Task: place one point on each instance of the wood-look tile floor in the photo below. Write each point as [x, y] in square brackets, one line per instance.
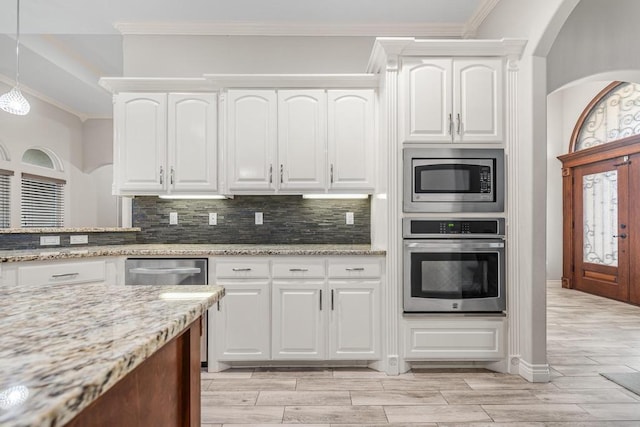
[586, 336]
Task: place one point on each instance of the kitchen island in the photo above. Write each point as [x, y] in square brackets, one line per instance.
[68, 351]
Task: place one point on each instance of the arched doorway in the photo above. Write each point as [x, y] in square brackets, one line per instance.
[601, 175]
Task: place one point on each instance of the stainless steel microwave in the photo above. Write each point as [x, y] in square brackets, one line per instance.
[453, 180]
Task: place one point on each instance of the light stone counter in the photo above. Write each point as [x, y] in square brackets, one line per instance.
[185, 250]
[63, 346]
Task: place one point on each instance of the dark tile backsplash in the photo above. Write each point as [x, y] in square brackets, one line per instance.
[287, 220]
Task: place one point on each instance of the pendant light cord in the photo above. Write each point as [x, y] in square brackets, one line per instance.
[18, 46]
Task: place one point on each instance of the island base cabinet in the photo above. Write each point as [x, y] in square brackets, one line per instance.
[354, 331]
[242, 322]
[163, 391]
[454, 339]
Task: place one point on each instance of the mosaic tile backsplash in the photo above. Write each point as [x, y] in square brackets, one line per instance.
[286, 220]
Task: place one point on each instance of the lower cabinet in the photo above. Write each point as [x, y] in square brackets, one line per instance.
[311, 308]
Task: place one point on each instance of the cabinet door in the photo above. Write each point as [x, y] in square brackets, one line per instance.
[351, 139]
[426, 109]
[251, 139]
[355, 320]
[242, 321]
[478, 100]
[298, 331]
[302, 139]
[140, 149]
[193, 143]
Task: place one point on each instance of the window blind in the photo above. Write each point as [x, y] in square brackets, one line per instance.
[42, 201]
[5, 198]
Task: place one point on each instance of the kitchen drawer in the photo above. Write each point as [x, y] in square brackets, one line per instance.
[240, 269]
[298, 268]
[354, 268]
[66, 272]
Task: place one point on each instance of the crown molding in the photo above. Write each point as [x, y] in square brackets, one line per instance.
[472, 25]
[239, 28]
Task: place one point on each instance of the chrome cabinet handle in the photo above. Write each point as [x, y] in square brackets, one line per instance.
[270, 174]
[354, 268]
[298, 269]
[241, 269]
[161, 175]
[171, 175]
[459, 122]
[218, 305]
[622, 235]
[331, 173]
[62, 275]
[281, 173]
[331, 299]
[320, 299]
[450, 124]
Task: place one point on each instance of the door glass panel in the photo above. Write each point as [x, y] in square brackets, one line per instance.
[600, 199]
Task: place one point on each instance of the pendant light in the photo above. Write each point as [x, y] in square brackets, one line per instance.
[13, 102]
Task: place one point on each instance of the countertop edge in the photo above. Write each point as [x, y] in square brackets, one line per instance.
[62, 230]
[76, 402]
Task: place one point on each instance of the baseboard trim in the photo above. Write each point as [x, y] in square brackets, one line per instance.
[539, 373]
[554, 283]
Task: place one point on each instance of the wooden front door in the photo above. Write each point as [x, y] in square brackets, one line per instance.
[602, 199]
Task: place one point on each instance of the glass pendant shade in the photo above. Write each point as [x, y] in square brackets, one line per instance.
[13, 101]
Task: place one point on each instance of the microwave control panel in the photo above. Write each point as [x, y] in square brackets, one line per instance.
[485, 179]
[437, 227]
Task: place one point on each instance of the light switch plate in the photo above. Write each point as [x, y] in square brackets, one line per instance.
[213, 218]
[173, 218]
[349, 218]
[49, 240]
[259, 218]
[79, 239]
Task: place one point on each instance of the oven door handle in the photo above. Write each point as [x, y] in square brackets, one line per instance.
[175, 270]
[443, 246]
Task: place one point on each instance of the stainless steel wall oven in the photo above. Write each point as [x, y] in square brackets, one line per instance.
[454, 265]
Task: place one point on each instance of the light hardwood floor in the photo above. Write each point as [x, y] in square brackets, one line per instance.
[587, 335]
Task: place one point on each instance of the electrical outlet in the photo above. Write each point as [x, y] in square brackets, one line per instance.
[213, 218]
[49, 240]
[173, 218]
[259, 218]
[78, 239]
[349, 218]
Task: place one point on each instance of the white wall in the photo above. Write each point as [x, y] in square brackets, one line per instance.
[192, 56]
[49, 127]
[97, 138]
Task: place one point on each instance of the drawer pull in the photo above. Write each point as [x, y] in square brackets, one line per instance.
[354, 268]
[64, 275]
[298, 269]
[242, 269]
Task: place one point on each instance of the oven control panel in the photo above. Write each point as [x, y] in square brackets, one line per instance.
[438, 228]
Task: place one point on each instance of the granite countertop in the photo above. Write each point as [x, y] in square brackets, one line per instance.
[62, 346]
[185, 250]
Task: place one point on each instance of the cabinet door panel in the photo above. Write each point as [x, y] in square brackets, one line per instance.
[251, 139]
[478, 99]
[140, 143]
[351, 139]
[302, 139]
[427, 102]
[355, 320]
[192, 142]
[242, 323]
[298, 327]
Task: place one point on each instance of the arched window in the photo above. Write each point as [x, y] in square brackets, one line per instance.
[42, 190]
[613, 114]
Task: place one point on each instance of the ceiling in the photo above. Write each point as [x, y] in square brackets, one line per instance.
[67, 45]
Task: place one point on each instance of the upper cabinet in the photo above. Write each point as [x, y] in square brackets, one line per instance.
[165, 143]
[294, 141]
[452, 100]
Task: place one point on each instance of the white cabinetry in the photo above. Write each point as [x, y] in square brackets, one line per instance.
[292, 141]
[242, 317]
[452, 100]
[69, 271]
[351, 139]
[165, 143]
